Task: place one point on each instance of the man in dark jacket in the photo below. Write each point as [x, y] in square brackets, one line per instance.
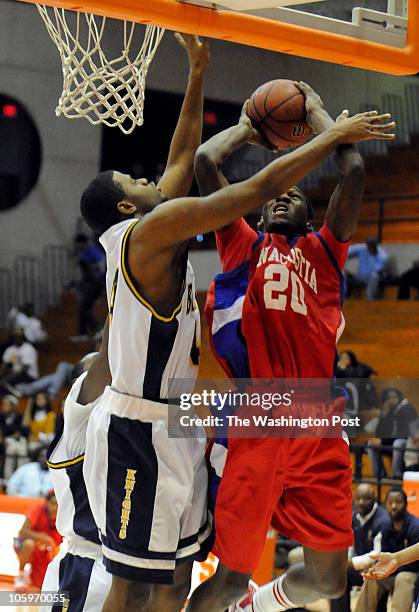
[401, 532]
[368, 521]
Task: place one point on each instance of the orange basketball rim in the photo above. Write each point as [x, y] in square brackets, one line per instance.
[263, 33]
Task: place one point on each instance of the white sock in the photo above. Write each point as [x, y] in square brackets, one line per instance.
[271, 598]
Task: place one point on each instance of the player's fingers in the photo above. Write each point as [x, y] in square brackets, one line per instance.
[343, 115]
[179, 37]
[380, 118]
[381, 136]
[370, 113]
[303, 87]
[383, 127]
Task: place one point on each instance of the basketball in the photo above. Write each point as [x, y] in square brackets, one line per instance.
[277, 110]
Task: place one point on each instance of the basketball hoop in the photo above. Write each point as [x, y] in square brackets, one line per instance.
[108, 91]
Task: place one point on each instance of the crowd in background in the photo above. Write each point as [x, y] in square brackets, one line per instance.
[30, 415]
[376, 270]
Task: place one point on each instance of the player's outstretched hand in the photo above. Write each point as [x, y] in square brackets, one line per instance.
[364, 126]
[197, 50]
[255, 137]
[385, 566]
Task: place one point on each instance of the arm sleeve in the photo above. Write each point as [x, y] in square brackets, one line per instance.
[234, 244]
[339, 249]
[362, 561]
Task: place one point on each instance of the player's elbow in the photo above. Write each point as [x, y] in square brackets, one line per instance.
[355, 170]
[205, 159]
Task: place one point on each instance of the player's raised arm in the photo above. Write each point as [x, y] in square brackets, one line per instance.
[177, 178]
[177, 221]
[212, 154]
[345, 203]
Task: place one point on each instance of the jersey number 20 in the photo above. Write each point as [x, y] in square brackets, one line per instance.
[277, 277]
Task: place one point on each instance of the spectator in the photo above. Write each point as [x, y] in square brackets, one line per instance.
[31, 479]
[51, 384]
[24, 317]
[14, 436]
[368, 521]
[91, 260]
[411, 456]
[392, 429]
[409, 280]
[37, 541]
[372, 268]
[403, 531]
[40, 420]
[20, 361]
[356, 374]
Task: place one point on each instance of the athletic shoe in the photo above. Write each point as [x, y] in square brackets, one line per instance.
[245, 603]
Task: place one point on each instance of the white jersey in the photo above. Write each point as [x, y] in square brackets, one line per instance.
[147, 350]
[65, 460]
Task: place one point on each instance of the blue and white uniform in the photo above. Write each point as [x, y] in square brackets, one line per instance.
[147, 491]
[78, 569]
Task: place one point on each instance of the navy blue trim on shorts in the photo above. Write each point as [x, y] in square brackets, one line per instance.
[139, 574]
[130, 447]
[74, 579]
[83, 522]
[184, 542]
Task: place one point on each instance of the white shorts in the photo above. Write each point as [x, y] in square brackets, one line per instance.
[79, 574]
[147, 491]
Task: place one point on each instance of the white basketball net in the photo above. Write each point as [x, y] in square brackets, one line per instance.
[109, 91]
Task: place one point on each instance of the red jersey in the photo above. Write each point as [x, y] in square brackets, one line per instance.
[41, 522]
[292, 309]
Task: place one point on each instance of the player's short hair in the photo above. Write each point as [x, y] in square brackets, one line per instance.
[396, 490]
[99, 202]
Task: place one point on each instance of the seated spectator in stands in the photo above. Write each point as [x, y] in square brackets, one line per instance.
[24, 317]
[92, 263]
[31, 479]
[19, 361]
[372, 268]
[409, 280]
[14, 436]
[37, 542]
[403, 531]
[411, 456]
[39, 418]
[368, 521]
[392, 429]
[361, 391]
[51, 384]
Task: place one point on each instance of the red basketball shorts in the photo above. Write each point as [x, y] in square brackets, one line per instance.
[302, 487]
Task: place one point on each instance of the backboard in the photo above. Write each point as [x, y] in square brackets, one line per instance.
[385, 40]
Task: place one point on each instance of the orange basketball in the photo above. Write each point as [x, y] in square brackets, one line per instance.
[277, 110]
